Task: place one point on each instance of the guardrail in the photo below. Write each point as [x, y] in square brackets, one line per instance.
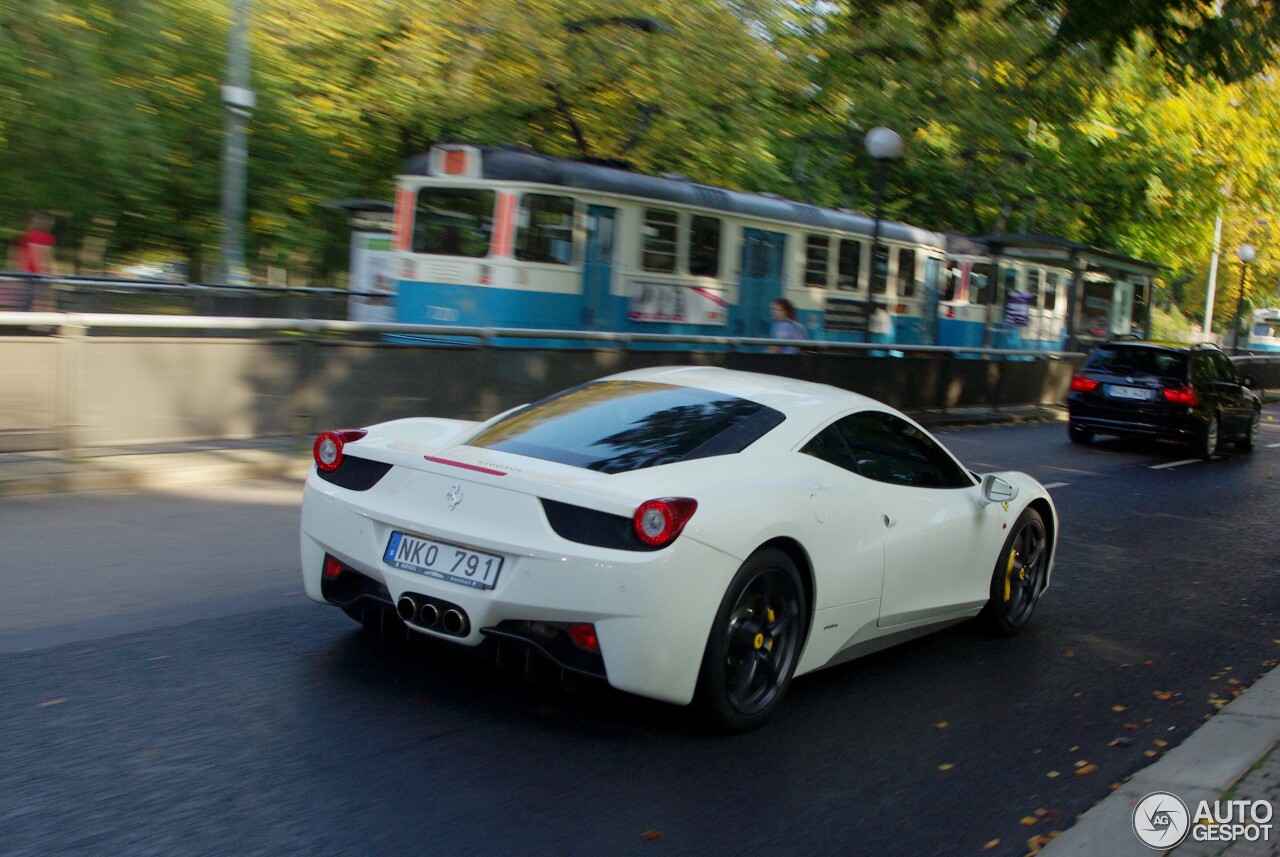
[74, 380]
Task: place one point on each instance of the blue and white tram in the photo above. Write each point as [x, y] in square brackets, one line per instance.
[501, 237]
[1264, 329]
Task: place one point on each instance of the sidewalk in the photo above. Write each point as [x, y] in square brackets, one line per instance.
[1232, 756]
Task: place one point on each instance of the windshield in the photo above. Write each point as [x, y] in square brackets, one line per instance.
[617, 426]
[1137, 360]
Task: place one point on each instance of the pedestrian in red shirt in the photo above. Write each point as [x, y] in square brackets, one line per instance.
[35, 246]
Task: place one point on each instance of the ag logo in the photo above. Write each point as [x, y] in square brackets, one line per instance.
[1161, 820]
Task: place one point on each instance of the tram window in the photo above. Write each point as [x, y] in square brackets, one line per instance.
[1033, 282]
[817, 252]
[453, 221]
[979, 280]
[849, 269]
[704, 246]
[951, 281]
[879, 269]
[906, 272]
[1050, 289]
[659, 241]
[1010, 280]
[544, 230]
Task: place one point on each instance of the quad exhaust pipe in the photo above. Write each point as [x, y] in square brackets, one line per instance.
[454, 621]
[425, 613]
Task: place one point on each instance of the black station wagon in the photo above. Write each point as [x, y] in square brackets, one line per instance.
[1192, 394]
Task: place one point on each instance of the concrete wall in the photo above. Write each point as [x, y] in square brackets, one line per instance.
[76, 392]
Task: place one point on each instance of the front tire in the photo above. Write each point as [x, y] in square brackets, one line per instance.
[754, 644]
[1019, 576]
[1251, 436]
[1208, 446]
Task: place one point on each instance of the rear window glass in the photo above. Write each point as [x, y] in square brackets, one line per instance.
[1135, 360]
[618, 426]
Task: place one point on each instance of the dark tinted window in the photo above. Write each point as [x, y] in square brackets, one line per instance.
[704, 246]
[1226, 369]
[659, 241]
[850, 264]
[616, 426]
[1138, 360]
[886, 448]
[906, 272]
[453, 221]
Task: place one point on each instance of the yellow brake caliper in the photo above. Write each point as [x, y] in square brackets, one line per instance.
[1008, 576]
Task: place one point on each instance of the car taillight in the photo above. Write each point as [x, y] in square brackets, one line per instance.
[584, 637]
[1182, 396]
[332, 567]
[1083, 384]
[327, 449]
[658, 522]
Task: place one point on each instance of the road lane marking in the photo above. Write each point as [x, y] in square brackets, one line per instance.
[1272, 445]
[1057, 485]
[1170, 464]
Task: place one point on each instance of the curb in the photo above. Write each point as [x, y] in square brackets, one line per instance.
[52, 475]
[1214, 758]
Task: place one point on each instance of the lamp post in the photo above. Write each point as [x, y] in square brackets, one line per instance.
[884, 145]
[1245, 254]
[239, 100]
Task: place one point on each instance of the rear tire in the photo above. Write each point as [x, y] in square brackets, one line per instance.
[754, 644]
[1079, 435]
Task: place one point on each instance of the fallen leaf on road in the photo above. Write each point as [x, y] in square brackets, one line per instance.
[1160, 742]
[1147, 663]
[49, 702]
[1072, 654]
[651, 835]
[1087, 769]
[1118, 708]
[1035, 843]
[943, 725]
[1028, 820]
[1041, 812]
[992, 844]
[1162, 695]
[948, 766]
[1073, 749]
[1053, 775]
[1132, 727]
[1150, 754]
[1082, 763]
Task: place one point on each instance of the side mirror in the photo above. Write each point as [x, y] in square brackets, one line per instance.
[1248, 381]
[997, 490]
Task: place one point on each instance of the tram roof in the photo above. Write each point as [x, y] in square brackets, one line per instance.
[521, 165]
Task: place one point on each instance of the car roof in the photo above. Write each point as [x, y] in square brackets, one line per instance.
[1167, 346]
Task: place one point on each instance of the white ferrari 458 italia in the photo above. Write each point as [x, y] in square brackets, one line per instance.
[690, 534]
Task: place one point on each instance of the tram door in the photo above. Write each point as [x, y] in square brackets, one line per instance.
[597, 267]
[762, 255]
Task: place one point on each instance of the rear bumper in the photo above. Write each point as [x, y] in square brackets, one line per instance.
[1182, 425]
[652, 611]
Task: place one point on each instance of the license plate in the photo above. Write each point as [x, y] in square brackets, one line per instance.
[1135, 393]
[442, 561]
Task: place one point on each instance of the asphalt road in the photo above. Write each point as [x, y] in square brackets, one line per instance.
[165, 688]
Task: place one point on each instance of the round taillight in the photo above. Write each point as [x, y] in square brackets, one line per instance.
[327, 449]
[658, 522]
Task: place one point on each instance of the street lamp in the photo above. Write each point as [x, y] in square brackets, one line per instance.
[1245, 254]
[884, 145]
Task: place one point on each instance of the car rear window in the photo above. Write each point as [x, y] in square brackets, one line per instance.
[1136, 360]
[618, 426]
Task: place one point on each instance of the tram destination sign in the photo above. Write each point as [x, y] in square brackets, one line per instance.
[848, 316]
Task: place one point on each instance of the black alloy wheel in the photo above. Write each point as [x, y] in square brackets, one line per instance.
[1208, 446]
[754, 643]
[1019, 576]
